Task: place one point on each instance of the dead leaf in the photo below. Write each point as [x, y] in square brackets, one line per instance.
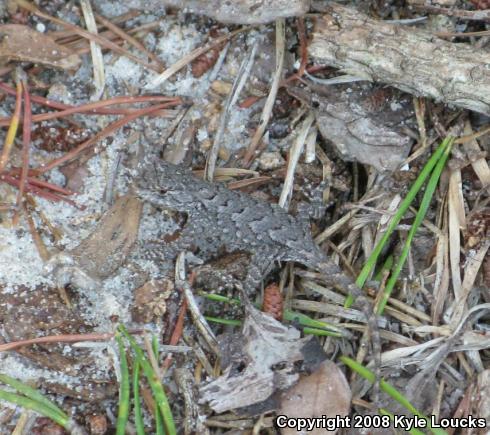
[269, 352]
[323, 393]
[23, 44]
[99, 255]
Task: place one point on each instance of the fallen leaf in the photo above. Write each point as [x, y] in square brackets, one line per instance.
[104, 251]
[23, 44]
[269, 353]
[323, 393]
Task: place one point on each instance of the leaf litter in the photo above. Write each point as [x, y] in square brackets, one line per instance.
[274, 367]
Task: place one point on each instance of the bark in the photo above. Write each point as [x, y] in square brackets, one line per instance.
[409, 59]
[243, 11]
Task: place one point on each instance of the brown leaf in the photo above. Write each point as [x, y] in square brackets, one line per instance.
[104, 251]
[269, 351]
[100, 254]
[323, 393]
[23, 44]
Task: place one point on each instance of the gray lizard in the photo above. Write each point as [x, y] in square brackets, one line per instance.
[221, 218]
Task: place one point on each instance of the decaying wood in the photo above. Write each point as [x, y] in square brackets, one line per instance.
[243, 11]
[414, 61]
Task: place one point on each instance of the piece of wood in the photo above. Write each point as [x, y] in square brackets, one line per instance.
[243, 11]
[414, 61]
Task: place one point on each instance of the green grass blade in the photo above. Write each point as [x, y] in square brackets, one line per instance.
[390, 390]
[159, 422]
[387, 265]
[138, 414]
[29, 392]
[412, 193]
[419, 217]
[290, 316]
[47, 411]
[158, 415]
[230, 322]
[219, 298]
[155, 384]
[124, 389]
[321, 332]
[304, 320]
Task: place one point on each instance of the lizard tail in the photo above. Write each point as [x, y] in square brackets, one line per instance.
[335, 277]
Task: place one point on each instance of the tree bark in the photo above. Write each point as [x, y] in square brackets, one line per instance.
[412, 60]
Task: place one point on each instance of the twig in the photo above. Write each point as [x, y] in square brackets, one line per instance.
[238, 84]
[479, 15]
[269, 103]
[96, 108]
[36, 237]
[198, 318]
[294, 155]
[96, 51]
[169, 72]
[64, 338]
[66, 36]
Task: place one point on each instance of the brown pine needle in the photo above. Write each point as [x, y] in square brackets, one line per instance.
[84, 33]
[131, 40]
[26, 144]
[92, 108]
[12, 131]
[99, 136]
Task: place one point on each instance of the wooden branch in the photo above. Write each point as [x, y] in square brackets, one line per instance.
[414, 61]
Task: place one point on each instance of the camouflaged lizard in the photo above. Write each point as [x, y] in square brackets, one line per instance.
[220, 218]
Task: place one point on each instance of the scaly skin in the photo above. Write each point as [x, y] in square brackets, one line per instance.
[222, 218]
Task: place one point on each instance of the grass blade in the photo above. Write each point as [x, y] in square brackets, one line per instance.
[417, 185]
[124, 389]
[138, 415]
[60, 418]
[390, 390]
[155, 384]
[424, 206]
[30, 392]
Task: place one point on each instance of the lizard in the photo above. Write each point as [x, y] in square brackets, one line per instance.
[218, 217]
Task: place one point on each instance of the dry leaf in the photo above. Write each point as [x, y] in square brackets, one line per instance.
[23, 44]
[323, 393]
[104, 251]
[269, 351]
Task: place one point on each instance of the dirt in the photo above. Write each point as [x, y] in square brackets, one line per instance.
[83, 378]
